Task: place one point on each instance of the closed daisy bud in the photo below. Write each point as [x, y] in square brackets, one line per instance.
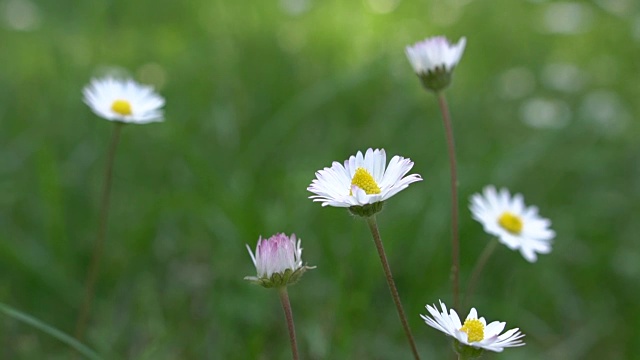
[278, 261]
[434, 59]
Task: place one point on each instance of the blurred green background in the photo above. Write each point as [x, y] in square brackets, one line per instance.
[260, 95]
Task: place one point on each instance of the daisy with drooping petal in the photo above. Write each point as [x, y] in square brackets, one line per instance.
[434, 53]
[278, 261]
[517, 226]
[433, 60]
[362, 180]
[474, 332]
[124, 101]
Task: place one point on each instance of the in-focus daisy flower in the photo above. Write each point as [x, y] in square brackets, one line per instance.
[278, 261]
[434, 59]
[517, 226]
[362, 180]
[474, 333]
[123, 101]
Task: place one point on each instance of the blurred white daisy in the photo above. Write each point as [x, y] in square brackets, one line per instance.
[278, 261]
[435, 53]
[433, 60]
[362, 180]
[474, 332]
[123, 100]
[517, 226]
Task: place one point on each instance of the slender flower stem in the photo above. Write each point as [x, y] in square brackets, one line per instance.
[477, 269]
[373, 226]
[98, 245]
[286, 306]
[455, 242]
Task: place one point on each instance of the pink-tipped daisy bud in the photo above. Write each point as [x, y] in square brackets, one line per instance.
[434, 59]
[278, 261]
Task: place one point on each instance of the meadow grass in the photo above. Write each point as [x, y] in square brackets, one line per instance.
[259, 98]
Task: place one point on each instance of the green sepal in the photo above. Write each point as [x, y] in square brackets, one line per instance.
[436, 80]
[288, 277]
[367, 210]
[466, 351]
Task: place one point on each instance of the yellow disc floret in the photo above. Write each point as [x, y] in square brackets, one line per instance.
[510, 222]
[474, 329]
[365, 181]
[122, 107]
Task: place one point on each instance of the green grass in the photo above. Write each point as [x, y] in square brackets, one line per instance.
[257, 101]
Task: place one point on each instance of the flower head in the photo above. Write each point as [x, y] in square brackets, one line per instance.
[363, 180]
[123, 101]
[517, 226]
[278, 261]
[433, 60]
[475, 332]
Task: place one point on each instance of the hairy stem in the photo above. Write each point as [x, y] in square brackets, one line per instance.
[455, 242]
[477, 269]
[286, 306]
[98, 245]
[373, 226]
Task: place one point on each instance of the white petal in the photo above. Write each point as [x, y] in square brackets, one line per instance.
[473, 314]
[332, 186]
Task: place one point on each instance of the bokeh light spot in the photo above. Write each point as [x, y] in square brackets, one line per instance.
[604, 110]
[152, 74]
[20, 15]
[544, 113]
[567, 18]
[295, 7]
[382, 6]
[516, 83]
[563, 77]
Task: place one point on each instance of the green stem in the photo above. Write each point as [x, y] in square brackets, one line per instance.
[98, 245]
[373, 226]
[288, 314]
[455, 242]
[49, 330]
[477, 269]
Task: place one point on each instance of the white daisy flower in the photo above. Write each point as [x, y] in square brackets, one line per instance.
[435, 53]
[362, 180]
[474, 332]
[433, 61]
[517, 226]
[278, 261]
[123, 100]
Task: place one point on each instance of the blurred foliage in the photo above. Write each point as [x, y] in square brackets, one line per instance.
[260, 95]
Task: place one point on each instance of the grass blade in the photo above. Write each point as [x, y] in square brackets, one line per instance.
[49, 330]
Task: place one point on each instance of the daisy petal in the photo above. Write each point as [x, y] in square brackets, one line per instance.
[508, 218]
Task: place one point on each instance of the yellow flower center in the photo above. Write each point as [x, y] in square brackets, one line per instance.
[510, 222]
[474, 329]
[122, 107]
[365, 181]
